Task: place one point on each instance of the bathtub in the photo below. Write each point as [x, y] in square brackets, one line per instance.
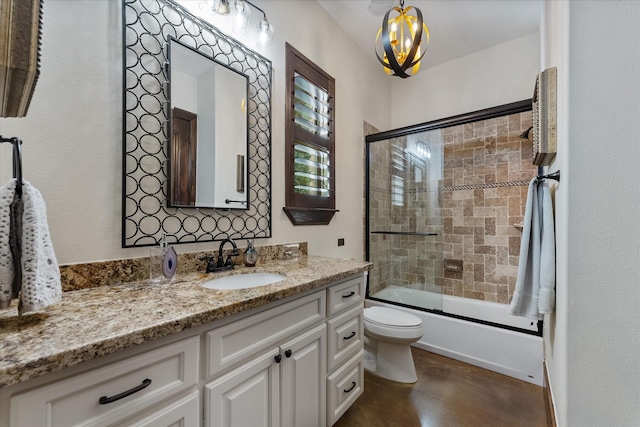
[516, 354]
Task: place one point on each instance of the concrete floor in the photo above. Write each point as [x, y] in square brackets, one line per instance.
[448, 393]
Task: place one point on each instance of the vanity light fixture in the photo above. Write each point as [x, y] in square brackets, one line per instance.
[221, 7]
[266, 32]
[404, 39]
[241, 16]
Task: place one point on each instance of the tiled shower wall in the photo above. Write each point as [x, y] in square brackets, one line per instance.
[481, 224]
[471, 192]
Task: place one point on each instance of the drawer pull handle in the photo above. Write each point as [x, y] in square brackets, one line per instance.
[353, 334]
[349, 295]
[353, 385]
[288, 353]
[105, 400]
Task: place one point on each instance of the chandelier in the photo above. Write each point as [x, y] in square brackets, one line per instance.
[404, 40]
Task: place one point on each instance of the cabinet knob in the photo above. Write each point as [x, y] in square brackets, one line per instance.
[278, 358]
[288, 353]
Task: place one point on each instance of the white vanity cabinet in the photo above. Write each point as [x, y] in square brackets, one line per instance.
[293, 363]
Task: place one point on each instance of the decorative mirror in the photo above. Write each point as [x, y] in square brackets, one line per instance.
[151, 28]
[208, 145]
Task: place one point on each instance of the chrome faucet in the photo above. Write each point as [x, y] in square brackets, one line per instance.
[221, 264]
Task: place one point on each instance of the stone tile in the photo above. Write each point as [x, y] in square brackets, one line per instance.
[473, 295]
[463, 230]
[490, 226]
[497, 279]
[484, 249]
[514, 246]
[478, 235]
[503, 294]
[478, 272]
[487, 288]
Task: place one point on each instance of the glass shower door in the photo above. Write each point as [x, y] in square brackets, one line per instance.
[404, 220]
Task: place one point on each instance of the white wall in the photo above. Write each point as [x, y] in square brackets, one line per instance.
[593, 343]
[499, 75]
[73, 131]
[554, 48]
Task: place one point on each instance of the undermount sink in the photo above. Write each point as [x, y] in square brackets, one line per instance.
[243, 281]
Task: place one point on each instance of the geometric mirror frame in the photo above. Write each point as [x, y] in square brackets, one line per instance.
[146, 217]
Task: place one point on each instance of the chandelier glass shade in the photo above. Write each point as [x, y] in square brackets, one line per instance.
[403, 40]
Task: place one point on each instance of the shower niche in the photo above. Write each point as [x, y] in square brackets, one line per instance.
[444, 202]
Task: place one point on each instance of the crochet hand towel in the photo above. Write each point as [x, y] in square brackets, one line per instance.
[7, 193]
[534, 294]
[40, 273]
[37, 269]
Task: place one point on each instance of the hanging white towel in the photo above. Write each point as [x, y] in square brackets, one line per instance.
[40, 284]
[534, 294]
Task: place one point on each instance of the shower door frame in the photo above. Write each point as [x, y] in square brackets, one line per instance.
[474, 116]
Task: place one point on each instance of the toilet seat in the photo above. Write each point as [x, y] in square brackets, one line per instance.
[392, 325]
[389, 317]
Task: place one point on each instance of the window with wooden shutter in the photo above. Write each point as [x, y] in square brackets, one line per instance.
[309, 133]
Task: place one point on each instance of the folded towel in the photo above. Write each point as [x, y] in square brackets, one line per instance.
[534, 294]
[32, 272]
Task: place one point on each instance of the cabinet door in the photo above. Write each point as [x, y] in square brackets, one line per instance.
[246, 396]
[304, 370]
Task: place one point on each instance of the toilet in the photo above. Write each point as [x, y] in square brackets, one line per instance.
[388, 334]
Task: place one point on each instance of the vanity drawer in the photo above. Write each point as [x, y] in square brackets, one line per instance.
[343, 387]
[345, 336]
[238, 341]
[345, 295]
[184, 412]
[75, 400]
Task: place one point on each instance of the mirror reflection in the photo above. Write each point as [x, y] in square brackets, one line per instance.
[208, 148]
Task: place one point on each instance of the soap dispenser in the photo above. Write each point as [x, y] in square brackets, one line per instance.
[250, 256]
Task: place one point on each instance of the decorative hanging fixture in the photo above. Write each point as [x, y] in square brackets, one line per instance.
[404, 39]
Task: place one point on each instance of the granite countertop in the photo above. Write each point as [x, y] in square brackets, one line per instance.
[90, 323]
